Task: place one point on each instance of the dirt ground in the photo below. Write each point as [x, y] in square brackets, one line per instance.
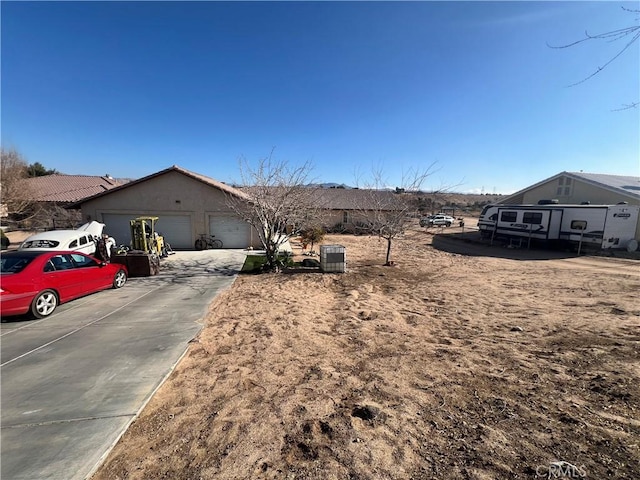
[498, 364]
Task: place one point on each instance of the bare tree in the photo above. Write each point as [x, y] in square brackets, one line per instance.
[16, 194]
[630, 34]
[279, 202]
[54, 216]
[384, 212]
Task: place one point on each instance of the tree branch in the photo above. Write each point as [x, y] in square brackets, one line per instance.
[610, 36]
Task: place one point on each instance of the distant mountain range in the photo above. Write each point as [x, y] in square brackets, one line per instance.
[330, 185]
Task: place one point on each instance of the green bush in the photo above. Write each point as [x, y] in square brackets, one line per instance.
[258, 263]
[253, 263]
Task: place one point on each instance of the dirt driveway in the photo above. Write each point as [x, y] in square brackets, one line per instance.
[445, 366]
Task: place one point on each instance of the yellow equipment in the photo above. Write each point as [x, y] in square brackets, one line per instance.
[144, 236]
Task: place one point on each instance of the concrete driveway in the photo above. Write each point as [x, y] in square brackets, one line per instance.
[73, 382]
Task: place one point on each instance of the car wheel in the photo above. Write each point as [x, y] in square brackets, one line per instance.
[448, 224]
[44, 304]
[120, 279]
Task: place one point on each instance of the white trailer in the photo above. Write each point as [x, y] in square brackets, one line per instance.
[602, 226]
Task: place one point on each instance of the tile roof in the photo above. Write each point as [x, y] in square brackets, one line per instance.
[349, 198]
[357, 199]
[62, 188]
[328, 198]
[196, 176]
[210, 181]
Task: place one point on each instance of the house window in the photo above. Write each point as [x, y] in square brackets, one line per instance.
[345, 217]
[534, 218]
[508, 216]
[564, 187]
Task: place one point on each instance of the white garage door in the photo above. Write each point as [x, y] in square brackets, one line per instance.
[176, 229]
[234, 232]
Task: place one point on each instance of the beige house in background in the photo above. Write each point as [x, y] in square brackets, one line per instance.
[575, 188]
[344, 210]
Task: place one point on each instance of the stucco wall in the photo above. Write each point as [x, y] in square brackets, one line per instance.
[332, 218]
[580, 192]
[170, 194]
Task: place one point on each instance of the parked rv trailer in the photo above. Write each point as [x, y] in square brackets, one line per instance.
[602, 226]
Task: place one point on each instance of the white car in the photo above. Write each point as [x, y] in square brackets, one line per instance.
[80, 240]
[437, 220]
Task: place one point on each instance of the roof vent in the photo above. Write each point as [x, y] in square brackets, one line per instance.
[552, 201]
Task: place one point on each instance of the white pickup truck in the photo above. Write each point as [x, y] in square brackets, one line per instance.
[437, 220]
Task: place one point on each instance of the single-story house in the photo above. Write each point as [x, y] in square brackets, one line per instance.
[575, 188]
[187, 205]
[344, 209]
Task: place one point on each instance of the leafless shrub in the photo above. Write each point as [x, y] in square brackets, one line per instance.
[16, 194]
[279, 202]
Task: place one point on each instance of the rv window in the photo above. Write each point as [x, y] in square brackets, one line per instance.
[534, 218]
[508, 216]
[578, 225]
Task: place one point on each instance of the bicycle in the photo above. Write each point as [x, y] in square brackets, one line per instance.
[207, 241]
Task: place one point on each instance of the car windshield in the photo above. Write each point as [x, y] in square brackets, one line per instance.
[14, 263]
[40, 244]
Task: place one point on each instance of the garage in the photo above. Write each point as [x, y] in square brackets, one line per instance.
[187, 204]
[176, 229]
[233, 231]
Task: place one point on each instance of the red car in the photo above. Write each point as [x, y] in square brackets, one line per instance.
[37, 282]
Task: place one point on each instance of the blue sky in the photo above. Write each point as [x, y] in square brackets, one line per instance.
[131, 88]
